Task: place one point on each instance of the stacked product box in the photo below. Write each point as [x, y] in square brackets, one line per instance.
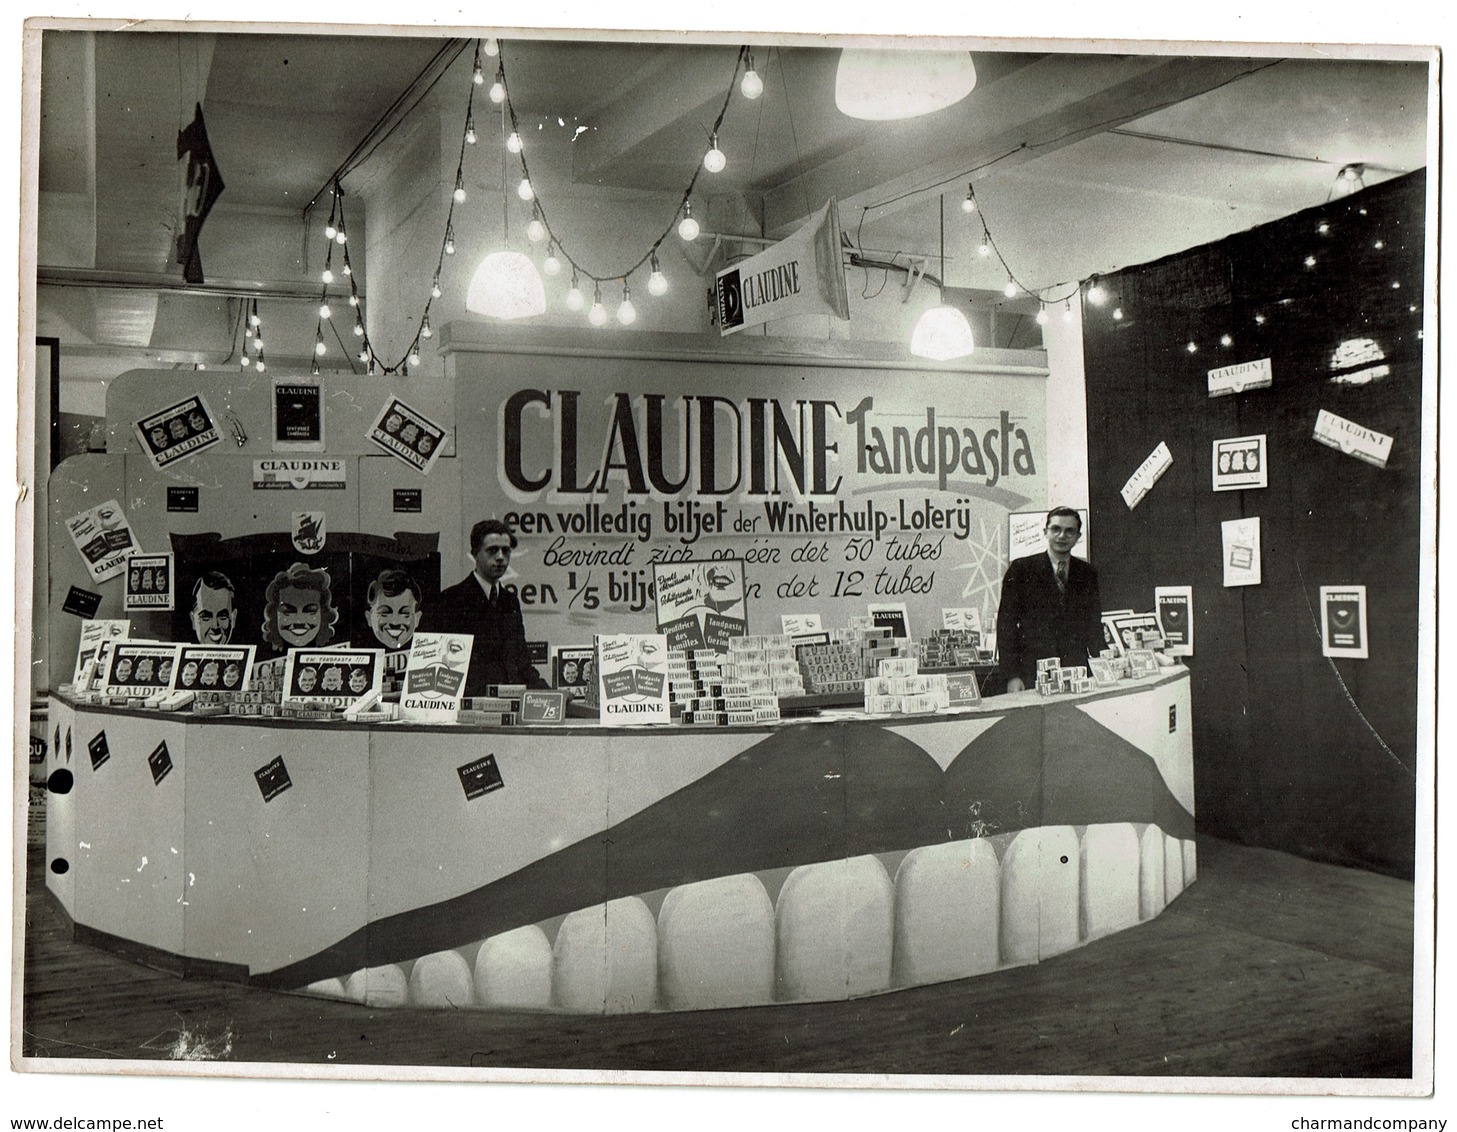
[900, 688]
[949, 648]
[1055, 678]
[749, 690]
[695, 687]
[852, 655]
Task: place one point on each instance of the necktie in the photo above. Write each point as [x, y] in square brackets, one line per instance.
[1062, 576]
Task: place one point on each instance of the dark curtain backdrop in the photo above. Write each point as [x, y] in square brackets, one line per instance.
[1292, 750]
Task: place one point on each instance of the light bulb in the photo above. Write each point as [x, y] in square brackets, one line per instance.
[1067, 310]
[498, 91]
[319, 347]
[513, 142]
[470, 132]
[1192, 347]
[478, 76]
[1041, 316]
[340, 237]
[414, 357]
[1226, 340]
[626, 313]
[657, 281]
[1010, 290]
[493, 47]
[597, 316]
[536, 230]
[984, 248]
[359, 330]
[314, 367]
[1118, 314]
[688, 228]
[347, 269]
[714, 160]
[551, 265]
[258, 345]
[363, 356]
[353, 300]
[449, 245]
[262, 365]
[1310, 261]
[1096, 295]
[459, 193]
[425, 331]
[752, 85]
[575, 299]
[524, 190]
[435, 288]
[330, 231]
[327, 276]
[969, 204]
[254, 319]
[324, 310]
[245, 361]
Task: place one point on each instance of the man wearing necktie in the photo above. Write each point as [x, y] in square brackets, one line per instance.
[1049, 606]
[481, 606]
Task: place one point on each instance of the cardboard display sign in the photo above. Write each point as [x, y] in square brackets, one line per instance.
[298, 417]
[331, 677]
[93, 635]
[958, 619]
[1141, 482]
[213, 668]
[700, 604]
[802, 274]
[1354, 440]
[105, 539]
[632, 678]
[1241, 538]
[83, 603]
[318, 473]
[539, 706]
[1239, 463]
[1174, 606]
[1343, 621]
[139, 669]
[890, 615]
[435, 677]
[1240, 377]
[574, 670]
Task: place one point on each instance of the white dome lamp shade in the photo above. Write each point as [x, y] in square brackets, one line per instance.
[882, 85]
[506, 285]
[942, 333]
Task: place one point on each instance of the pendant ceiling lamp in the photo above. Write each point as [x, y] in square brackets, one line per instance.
[942, 333]
[506, 285]
[881, 85]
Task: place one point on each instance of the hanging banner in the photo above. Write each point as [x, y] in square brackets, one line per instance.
[322, 473]
[1240, 377]
[202, 184]
[1239, 462]
[802, 274]
[1141, 482]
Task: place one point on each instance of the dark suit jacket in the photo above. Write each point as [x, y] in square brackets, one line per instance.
[1036, 620]
[498, 654]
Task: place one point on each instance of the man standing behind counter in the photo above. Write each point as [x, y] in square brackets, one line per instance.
[491, 613]
[1050, 605]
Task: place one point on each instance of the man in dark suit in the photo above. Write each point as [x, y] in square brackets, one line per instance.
[1050, 606]
[490, 612]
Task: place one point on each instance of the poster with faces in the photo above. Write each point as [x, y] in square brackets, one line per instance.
[1343, 621]
[203, 668]
[139, 669]
[331, 677]
[408, 435]
[149, 581]
[701, 604]
[1241, 539]
[1240, 463]
[177, 432]
[94, 635]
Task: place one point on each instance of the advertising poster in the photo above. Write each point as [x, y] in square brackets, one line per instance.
[1174, 606]
[1126, 630]
[213, 668]
[632, 678]
[435, 677]
[326, 678]
[93, 635]
[700, 604]
[177, 432]
[890, 615]
[961, 619]
[1241, 539]
[408, 434]
[1241, 376]
[139, 668]
[316, 473]
[104, 538]
[150, 581]
[1025, 535]
[1141, 482]
[802, 274]
[1354, 440]
[1239, 463]
[1343, 621]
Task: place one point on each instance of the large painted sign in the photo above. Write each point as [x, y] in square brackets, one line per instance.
[837, 487]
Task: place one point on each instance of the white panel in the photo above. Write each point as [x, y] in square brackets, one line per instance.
[716, 944]
[947, 912]
[606, 959]
[1108, 900]
[1151, 873]
[835, 930]
[1040, 894]
[513, 970]
[442, 978]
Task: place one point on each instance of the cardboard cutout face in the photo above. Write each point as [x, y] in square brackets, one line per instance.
[213, 615]
[394, 619]
[300, 615]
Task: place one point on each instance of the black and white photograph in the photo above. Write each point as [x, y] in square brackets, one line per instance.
[863, 329]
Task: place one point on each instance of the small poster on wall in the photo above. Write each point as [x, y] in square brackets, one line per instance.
[1174, 606]
[149, 582]
[1343, 621]
[298, 417]
[1025, 534]
[1241, 539]
[177, 432]
[1239, 463]
[633, 678]
[1141, 482]
[435, 677]
[213, 668]
[701, 604]
[408, 434]
[104, 538]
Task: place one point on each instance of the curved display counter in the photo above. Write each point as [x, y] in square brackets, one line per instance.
[583, 868]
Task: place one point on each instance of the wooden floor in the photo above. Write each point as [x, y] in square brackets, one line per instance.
[1269, 966]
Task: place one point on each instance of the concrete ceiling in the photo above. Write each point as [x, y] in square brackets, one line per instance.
[1082, 162]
